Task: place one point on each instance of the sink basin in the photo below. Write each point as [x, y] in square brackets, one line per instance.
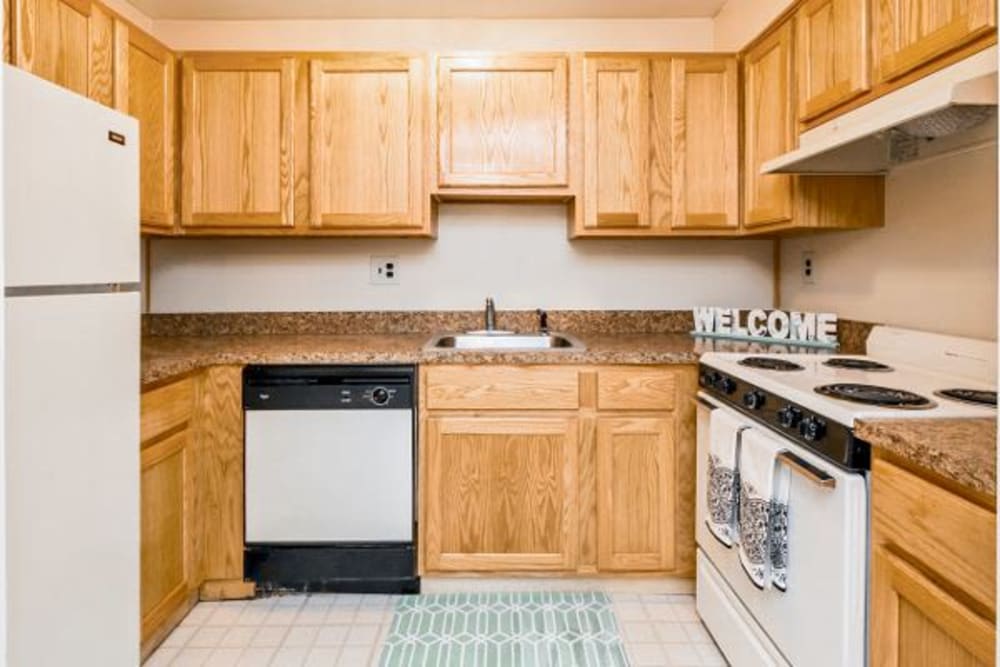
[477, 340]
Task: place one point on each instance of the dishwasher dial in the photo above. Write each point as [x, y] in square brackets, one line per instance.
[380, 395]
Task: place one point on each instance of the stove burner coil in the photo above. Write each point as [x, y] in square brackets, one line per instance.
[770, 364]
[857, 364]
[870, 394]
[971, 396]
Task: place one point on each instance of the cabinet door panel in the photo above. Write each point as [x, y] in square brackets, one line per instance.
[366, 123]
[501, 493]
[911, 33]
[68, 42]
[769, 128]
[704, 132]
[164, 544]
[915, 623]
[617, 139]
[152, 98]
[502, 121]
[831, 47]
[635, 491]
[237, 157]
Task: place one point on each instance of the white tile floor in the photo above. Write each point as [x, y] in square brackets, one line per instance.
[348, 630]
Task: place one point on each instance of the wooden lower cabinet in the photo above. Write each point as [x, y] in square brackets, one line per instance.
[564, 469]
[167, 582]
[501, 492]
[933, 573]
[635, 493]
[191, 498]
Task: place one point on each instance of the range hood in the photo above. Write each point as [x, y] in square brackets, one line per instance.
[953, 108]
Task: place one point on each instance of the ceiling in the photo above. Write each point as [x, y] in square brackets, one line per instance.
[494, 9]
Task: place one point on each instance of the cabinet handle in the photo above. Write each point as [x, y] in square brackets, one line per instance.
[802, 467]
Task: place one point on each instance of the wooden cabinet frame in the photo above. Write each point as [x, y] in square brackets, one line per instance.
[831, 35]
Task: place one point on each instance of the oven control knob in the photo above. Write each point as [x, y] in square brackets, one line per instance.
[380, 395]
[789, 416]
[754, 399]
[725, 385]
[708, 379]
[812, 429]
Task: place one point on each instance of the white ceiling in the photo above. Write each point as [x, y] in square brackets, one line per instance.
[495, 9]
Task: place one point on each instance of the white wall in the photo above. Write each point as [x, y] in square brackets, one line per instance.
[740, 21]
[440, 34]
[933, 266]
[517, 253]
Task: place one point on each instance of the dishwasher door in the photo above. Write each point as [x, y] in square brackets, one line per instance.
[322, 476]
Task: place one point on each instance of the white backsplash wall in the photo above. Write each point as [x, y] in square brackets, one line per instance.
[933, 266]
[517, 253]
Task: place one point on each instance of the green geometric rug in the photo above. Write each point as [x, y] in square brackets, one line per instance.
[504, 630]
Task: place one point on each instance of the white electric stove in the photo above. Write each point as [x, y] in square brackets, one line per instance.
[810, 403]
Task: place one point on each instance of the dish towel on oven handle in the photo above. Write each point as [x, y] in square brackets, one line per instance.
[723, 483]
[764, 491]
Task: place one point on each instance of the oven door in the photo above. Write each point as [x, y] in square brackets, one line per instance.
[820, 620]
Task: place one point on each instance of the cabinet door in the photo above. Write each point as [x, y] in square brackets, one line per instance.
[68, 42]
[501, 493]
[915, 623]
[769, 127]
[831, 51]
[365, 140]
[703, 130]
[152, 97]
[237, 119]
[502, 121]
[165, 490]
[911, 33]
[635, 493]
[617, 142]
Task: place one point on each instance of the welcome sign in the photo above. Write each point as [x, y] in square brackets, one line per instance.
[767, 326]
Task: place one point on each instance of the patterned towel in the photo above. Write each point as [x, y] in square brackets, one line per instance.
[725, 429]
[763, 522]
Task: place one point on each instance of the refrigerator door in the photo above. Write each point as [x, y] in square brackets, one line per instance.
[72, 466]
[71, 190]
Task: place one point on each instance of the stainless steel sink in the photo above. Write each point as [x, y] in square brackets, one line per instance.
[503, 340]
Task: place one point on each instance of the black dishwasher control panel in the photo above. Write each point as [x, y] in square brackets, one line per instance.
[312, 387]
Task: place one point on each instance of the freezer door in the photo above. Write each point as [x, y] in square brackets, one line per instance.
[72, 476]
[71, 190]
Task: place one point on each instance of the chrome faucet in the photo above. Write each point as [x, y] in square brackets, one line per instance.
[491, 315]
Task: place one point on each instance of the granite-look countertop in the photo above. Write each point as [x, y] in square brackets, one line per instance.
[961, 450]
[164, 357]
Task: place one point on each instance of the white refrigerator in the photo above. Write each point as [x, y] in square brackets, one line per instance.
[71, 377]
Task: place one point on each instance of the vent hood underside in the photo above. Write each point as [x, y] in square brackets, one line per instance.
[946, 111]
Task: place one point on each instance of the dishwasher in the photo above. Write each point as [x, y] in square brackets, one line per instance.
[329, 478]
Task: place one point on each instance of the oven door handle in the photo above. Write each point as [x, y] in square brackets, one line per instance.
[802, 467]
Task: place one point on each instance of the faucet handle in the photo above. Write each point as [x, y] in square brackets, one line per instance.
[543, 321]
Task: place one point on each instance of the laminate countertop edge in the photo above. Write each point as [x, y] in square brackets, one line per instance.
[962, 451]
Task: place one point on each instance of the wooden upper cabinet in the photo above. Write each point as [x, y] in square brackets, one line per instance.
[503, 121]
[769, 127]
[617, 142]
[152, 99]
[831, 50]
[68, 42]
[635, 493]
[501, 493]
[702, 126]
[911, 33]
[366, 115]
[237, 118]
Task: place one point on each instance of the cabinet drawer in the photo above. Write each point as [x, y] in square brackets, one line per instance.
[502, 388]
[635, 389]
[166, 408]
[945, 532]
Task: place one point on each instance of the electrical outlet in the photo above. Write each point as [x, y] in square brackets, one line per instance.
[384, 270]
[808, 268]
